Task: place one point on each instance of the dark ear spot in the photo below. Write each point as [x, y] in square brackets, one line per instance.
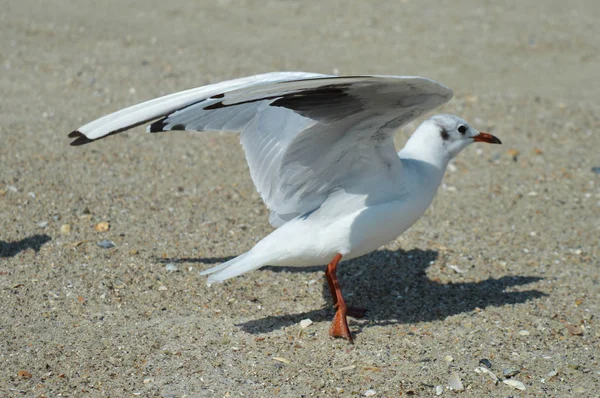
[444, 133]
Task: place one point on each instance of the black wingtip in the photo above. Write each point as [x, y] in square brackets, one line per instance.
[160, 125]
[81, 139]
[157, 126]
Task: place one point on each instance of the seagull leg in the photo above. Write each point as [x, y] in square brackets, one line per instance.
[339, 327]
[355, 312]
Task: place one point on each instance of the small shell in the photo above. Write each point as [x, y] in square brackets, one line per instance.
[305, 323]
[455, 383]
[515, 384]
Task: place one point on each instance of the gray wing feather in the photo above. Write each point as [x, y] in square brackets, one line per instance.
[304, 135]
[305, 138]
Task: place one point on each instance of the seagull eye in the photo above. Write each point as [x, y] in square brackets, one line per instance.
[462, 129]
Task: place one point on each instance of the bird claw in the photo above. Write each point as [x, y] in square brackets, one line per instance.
[339, 326]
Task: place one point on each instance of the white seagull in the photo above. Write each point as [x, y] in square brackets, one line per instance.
[321, 154]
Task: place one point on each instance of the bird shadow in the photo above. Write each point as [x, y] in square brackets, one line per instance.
[11, 249]
[395, 288]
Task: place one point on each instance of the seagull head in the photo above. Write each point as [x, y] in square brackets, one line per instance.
[456, 134]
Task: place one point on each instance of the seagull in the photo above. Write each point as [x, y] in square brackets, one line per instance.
[321, 154]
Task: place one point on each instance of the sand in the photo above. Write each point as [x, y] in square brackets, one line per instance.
[503, 266]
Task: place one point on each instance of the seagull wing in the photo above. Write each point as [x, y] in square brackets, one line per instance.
[304, 135]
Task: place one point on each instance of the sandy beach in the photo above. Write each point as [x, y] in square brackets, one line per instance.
[501, 276]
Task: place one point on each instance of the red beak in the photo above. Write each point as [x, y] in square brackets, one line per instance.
[485, 137]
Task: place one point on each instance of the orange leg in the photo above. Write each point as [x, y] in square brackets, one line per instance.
[355, 312]
[339, 326]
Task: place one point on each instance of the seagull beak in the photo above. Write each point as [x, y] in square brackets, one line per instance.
[485, 137]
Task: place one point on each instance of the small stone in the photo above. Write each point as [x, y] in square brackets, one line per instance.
[65, 229]
[171, 267]
[305, 323]
[552, 373]
[482, 370]
[516, 384]
[42, 224]
[574, 329]
[282, 360]
[370, 393]
[106, 244]
[455, 383]
[510, 372]
[24, 374]
[439, 390]
[513, 153]
[456, 269]
[162, 288]
[102, 226]
[486, 362]
[448, 358]
[524, 333]
[146, 381]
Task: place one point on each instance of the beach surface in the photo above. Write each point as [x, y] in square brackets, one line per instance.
[501, 275]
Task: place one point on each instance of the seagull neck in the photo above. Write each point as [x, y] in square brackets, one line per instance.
[425, 150]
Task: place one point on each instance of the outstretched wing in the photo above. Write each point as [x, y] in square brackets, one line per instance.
[304, 135]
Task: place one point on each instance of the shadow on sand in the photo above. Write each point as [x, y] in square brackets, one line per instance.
[395, 289]
[11, 249]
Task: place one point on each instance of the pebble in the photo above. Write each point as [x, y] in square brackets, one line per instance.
[524, 333]
[370, 393]
[439, 390]
[455, 383]
[42, 224]
[24, 374]
[102, 226]
[171, 267]
[574, 329]
[456, 269]
[162, 288]
[282, 360]
[552, 373]
[65, 229]
[448, 358]
[510, 372]
[482, 370]
[305, 323]
[513, 153]
[106, 244]
[486, 362]
[515, 384]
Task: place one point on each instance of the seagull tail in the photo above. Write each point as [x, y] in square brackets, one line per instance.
[234, 267]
